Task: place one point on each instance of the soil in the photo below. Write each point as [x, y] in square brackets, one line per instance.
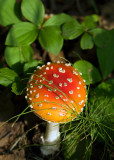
[19, 136]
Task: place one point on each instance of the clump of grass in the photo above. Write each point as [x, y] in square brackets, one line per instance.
[80, 136]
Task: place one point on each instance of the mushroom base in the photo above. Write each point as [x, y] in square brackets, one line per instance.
[51, 139]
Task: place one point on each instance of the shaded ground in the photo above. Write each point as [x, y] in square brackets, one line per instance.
[27, 130]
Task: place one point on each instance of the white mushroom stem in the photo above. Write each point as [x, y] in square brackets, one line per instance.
[51, 139]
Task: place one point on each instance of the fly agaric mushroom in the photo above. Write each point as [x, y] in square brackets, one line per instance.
[56, 92]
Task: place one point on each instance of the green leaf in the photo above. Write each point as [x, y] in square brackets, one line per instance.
[33, 11]
[50, 39]
[7, 76]
[58, 20]
[106, 60]
[95, 17]
[100, 36]
[89, 72]
[18, 87]
[22, 34]
[90, 22]
[105, 50]
[16, 56]
[9, 12]
[30, 66]
[86, 41]
[72, 30]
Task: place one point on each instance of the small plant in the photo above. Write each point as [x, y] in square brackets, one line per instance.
[50, 34]
[26, 23]
[94, 127]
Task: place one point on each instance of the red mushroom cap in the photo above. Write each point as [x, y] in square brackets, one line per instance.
[56, 92]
